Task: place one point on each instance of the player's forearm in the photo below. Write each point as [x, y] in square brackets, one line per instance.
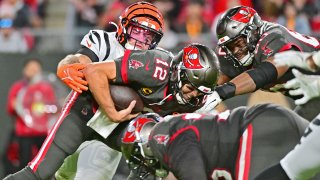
[241, 84]
[244, 84]
[99, 86]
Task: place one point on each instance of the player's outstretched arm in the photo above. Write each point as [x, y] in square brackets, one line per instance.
[98, 76]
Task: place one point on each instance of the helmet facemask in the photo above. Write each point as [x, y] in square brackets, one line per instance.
[140, 37]
[238, 50]
[182, 80]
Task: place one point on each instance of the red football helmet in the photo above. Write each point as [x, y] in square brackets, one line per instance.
[240, 22]
[143, 15]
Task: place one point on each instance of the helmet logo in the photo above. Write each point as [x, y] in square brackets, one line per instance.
[135, 126]
[223, 39]
[134, 64]
[191, 58]
[244, 15]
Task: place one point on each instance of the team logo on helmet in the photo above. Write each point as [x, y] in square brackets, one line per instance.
[134, 64]
[245, 14]
[191, 59]
[134, 127]
[161, 139]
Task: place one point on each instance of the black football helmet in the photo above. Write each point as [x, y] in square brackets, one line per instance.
[136, 149]
[198, 65]
[239, 22]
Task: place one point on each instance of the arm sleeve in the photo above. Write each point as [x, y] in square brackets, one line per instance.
[185, 157]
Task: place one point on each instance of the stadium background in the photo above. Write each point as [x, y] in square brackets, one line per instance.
[55, 28]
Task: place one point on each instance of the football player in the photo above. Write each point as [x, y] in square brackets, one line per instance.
[303, 162]
[140, 26]
[169, 84]
[246, 46]
[235, 144]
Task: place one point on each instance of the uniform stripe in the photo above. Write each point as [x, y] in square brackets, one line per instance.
[106, 38]
[124, 66]
[244, 154]
[46, 144]
[96, 34]
[180, 131]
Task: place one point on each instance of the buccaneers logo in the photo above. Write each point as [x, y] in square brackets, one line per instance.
[161, 138]
[134, 64]
[191, 58]
[244, 15]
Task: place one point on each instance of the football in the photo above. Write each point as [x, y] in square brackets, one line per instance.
[123, 95]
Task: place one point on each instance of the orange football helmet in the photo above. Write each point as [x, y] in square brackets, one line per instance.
[144, 15]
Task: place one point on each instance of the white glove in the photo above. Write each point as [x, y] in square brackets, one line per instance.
[212, 101]
[293, 59]
[306, 85]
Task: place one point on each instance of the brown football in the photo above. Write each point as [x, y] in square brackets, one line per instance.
[123, 95]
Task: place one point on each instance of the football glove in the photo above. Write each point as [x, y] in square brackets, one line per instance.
[72, 76]
[293, 59]
[306, 85]
[212, 101]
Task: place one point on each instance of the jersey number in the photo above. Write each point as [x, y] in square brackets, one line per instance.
[160, 73]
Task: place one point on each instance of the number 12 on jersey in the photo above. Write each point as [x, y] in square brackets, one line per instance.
[161, 71]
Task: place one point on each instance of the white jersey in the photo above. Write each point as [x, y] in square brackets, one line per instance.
[102, 44]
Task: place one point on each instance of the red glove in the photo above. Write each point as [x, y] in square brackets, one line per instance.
[72, 76]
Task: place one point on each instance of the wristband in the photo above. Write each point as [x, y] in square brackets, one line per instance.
[226, 91]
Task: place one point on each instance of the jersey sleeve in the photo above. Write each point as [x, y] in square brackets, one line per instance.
[145, 68]
[271, 44]
[95, 45]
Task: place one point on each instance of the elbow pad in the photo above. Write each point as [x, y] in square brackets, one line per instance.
[264, 74]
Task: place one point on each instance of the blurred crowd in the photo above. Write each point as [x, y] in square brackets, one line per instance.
[186, 20]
